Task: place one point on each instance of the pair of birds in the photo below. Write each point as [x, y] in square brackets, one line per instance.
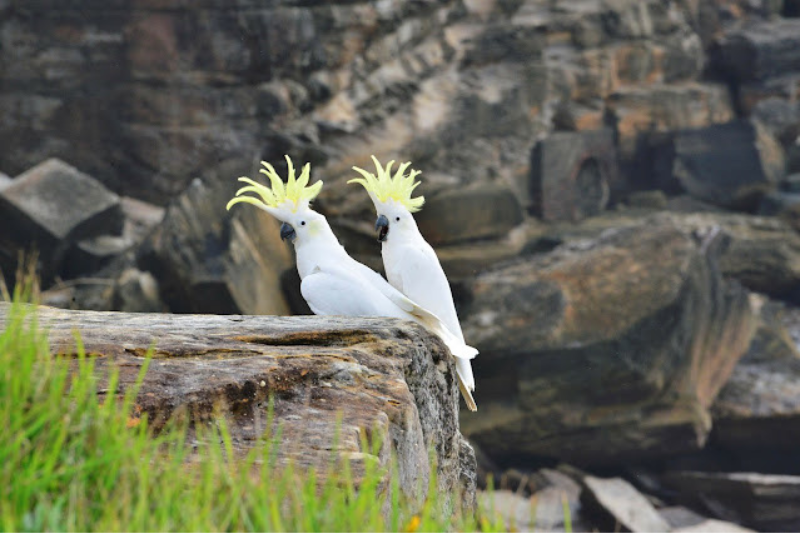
[333, 283]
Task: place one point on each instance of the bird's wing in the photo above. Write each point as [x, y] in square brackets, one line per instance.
[338, 292]
[417, 273]
[418, 313]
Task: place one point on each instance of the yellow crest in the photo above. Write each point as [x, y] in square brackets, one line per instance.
[295, 190]
[384, 186]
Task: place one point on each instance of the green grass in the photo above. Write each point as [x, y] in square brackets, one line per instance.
[71, 461]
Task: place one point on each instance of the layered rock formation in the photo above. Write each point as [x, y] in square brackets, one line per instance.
[330, 380]
[551, 135]
[606, 350]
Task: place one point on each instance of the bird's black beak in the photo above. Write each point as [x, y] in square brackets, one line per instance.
[287, 232]
[382, 227]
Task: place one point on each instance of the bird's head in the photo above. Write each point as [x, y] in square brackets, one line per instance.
[288, 202]
[391, 195]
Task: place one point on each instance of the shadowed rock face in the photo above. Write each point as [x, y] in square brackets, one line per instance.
[605, 350]
[330, 378]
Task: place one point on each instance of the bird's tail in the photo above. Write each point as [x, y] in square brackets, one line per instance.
[466, 381]
[462, 353]
[460, 350]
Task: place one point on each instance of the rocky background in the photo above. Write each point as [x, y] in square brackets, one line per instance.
[613, 188]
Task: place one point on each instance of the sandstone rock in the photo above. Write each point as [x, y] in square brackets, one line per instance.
[680, 517]
[761, 50]
[462, 215]
[137, 292]
[683, 520]
[89, 255]
[731, 165]
[643, 307]
[647, 200]
[792, 183]
[52, 206]
[543, 511]
[784, 205]
[757, 413]
[208, 261]
[781, 116]
[327, 377]
[636, 110]
[621, 504]
[140, 218]
[763, 502]
[541, 508]
[572, 174]
[763, 253]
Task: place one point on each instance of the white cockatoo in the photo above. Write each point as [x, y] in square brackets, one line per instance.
[411, 265]
[332, 282]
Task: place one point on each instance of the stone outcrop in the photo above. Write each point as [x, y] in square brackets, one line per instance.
[606, 350]
[731, 165]
[572, 174]
[328, 378]
[757, 413]
[208, 263]
[57, 211]
[621, 505]
[763, 502]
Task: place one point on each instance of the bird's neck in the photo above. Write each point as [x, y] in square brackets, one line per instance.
[406, 233]
[319, 249]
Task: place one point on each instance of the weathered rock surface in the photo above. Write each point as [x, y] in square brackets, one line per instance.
[757, 413]
[683, 520]
[763, 502]
[206, 261]
[622, 506]
[731, 165]
[605, 350]
[572, 174]
[762, 50]
[380, 376]
[52, 207]
[762, 253]
[462, 215]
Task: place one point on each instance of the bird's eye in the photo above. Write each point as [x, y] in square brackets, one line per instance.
[397, 219]
[302, 222]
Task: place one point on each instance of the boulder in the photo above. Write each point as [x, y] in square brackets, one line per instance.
[763, 502]
[140, 218]
[616, 504]
[792, 183]
[683, 520]
[639, 111]
[137, 292]
[757, 413]
[731, 165]
[484, 212]
[541, 510]
[52, 206]
[643, 307]
[761, 253]
[572, 174]
[759, 51]
[784, 205]
[207, 260]
[329, 378]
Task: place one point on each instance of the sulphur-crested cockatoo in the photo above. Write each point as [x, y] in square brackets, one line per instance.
[332, 282]
[411, 265]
